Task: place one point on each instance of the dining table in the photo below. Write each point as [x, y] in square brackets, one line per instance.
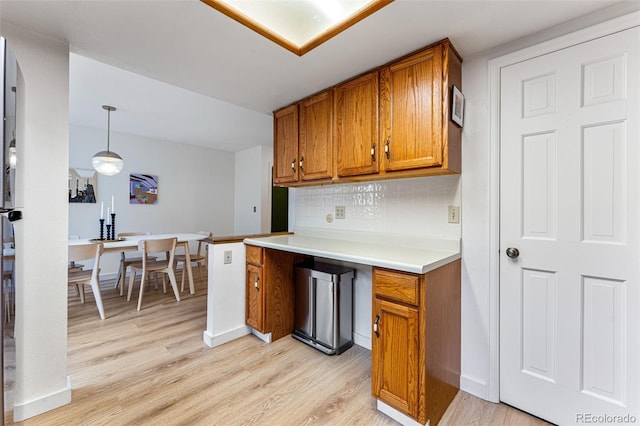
[130, 243]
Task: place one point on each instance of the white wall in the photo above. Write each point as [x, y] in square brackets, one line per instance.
[247, 186]
[41, 237]
[195, 187]
[226, 295]
[267, 182]
[253, 190]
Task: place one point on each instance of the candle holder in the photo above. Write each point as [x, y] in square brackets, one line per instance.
[101, 229]
[113, 226]
[108, 232]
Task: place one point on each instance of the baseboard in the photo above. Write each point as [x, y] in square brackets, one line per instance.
[475, 387]
[220, 339]
[264, 337]
[362, 340]
[43, 404]
[396, 415]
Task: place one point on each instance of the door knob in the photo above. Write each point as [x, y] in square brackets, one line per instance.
[513, 252]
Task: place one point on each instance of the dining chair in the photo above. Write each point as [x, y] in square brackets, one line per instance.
[199, 257]
[73, 266]
[166, 266]
[84, 277]
[125, 261]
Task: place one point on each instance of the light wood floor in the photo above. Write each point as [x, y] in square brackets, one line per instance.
[152, 367]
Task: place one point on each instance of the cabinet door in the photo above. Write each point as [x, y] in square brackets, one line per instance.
[316, 137]
[411, 111]
[254, 298]
[356, 126]
[394, 356]
[285, 145]
[279, 294]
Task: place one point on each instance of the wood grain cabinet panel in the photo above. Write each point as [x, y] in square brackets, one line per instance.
[270, 291]
[395, 356]
[254, 255]
[316, 137]
[398, 286]
[415, 356]
[356, 126]
[411, 111]
[415, 97]
[303, 141]
[254, 308]
[285, 145]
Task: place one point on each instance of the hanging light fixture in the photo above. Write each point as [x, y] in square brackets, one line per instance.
[107, 162]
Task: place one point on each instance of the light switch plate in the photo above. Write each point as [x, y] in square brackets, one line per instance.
[227, 256]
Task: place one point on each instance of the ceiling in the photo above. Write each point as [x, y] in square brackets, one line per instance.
[181, 71]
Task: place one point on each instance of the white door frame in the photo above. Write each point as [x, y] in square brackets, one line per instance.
[495, 65]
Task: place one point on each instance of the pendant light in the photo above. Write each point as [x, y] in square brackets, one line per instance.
[107, 162]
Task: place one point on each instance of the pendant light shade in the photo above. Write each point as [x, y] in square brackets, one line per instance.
[107, 162]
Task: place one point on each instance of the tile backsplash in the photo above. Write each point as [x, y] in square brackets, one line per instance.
[415, 206]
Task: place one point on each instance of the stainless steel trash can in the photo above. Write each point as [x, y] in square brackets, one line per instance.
[324, 306]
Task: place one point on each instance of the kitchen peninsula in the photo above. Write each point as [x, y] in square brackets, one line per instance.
[415, 319]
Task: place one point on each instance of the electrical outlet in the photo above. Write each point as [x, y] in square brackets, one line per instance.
[227, 256]
[341, 212]
[454, 214]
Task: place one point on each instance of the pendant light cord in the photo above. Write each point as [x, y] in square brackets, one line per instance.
[108, 127]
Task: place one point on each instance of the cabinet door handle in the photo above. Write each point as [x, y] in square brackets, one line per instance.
[293, 164]
[375, 326]
[255, 283]
[373, 153]
[386, 149]
[302, 164]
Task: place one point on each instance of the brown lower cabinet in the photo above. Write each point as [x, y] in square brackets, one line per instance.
[415, 355]
[270, 290]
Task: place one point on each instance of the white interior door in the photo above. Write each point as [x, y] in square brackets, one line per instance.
[569, 191]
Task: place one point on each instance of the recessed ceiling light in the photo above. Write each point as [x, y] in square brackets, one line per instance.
[298, 25]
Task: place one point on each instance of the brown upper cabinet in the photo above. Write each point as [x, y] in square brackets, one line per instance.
[304, 134]
[357, 148]
[391, 122]
[415, 127]
[285, 145]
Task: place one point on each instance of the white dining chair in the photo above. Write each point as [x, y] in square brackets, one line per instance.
[154, 246]
[83, 277]
[199, 257]
[126, 261]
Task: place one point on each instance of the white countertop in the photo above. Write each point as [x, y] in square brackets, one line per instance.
[401, 253]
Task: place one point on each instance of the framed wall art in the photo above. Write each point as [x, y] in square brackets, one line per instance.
[143, 189]
[457, 106]
[83, 185]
